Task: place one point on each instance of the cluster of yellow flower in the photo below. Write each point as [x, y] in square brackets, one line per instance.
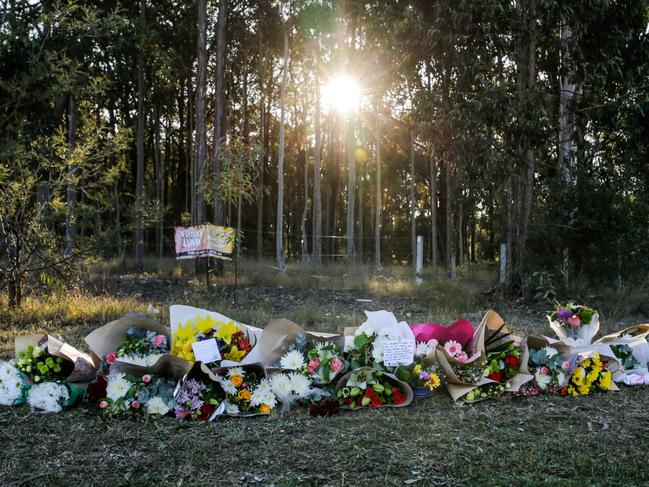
[590, 375]
[203, 327]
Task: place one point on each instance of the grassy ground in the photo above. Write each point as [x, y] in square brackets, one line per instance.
[597, 440]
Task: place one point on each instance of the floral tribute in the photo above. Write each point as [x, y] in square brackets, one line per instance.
[141, 347]
[13, 385]
[572, 315]
[246, 391]
[367, 387]
[501, 366]
[197, 399]
[40, 366]
[127, 393]
[233, 342]
[320, 361]
[550, 368]
[589, 376]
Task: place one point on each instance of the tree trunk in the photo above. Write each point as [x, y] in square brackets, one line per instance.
[377, 215]
[201, 113]
[317, 201]
[279, 229]
[305, 210]
[219, 112]
[351, 191]
[413, 204]
[460, 230]
[262, 153]
[433, 208]
[71, 196]
[139, 179]
[449, 232]
[157, 153]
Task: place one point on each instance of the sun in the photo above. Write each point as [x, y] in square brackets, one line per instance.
[341, 94]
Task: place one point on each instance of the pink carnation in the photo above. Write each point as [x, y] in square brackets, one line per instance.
[313, 365]
[146, 378]
[565, 365]
[103, 404]
[336, 365]
[453, 348]
[462, 357]
[575, 322]
[111, 357]
[433, 343]
[545, 370]
[158, 340]
[135, 405]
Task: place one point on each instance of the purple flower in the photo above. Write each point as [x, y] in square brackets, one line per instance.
[563, 315]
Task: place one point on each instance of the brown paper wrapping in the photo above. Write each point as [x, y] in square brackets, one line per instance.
[280, 333]
[108, 338]
[638, 332]
[85, 367]
[167, 366]
[491, 322]
[404, 386]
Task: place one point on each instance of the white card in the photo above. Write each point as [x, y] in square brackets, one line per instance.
[398, 353]
[206, 351]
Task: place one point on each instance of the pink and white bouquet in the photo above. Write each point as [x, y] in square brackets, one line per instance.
[148, 394]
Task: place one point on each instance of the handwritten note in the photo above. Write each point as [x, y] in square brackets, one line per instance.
[398, 352]
[206, 351]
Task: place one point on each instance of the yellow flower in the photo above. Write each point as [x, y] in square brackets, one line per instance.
[244, 395]
[572, 391]
[584, 390]
[417, 368]
[433, 382]
[235, 354]
[606, 381]
[226, 330]
[592, 376]
[264, 408]
[578, 376]
[236, 380]
[185, 335]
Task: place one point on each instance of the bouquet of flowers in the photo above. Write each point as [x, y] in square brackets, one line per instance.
[366, 344]
[199, 395]
[141, 347]
[625, 354]
[289, 387]
[247, 391]
[13, 385]
[491, 363]
[146, 394]
[550, 368]
[422, 376]
[457, 335]
[40, 366]
[590, 375]
[631, 349]
[134, 339]
[232, 340]
[320, 361]
[574, 323]
[52, 397]
[368, 387]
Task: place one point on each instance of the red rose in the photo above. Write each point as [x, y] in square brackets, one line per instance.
[375, 402]
[97, 390]
[513, 361]
[398, 396]
[495, 376]
[206, 411]
[563, 391]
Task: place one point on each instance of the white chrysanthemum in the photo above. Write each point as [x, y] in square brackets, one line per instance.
[423, 349]
[11, 384]
[263, 394]
[228, 386]
[48, 397]
[349, 344]
[117, 387]
[281, 386]
[377, 350]
[550, 352]
[293, 360]
[156, 405]
[231, 408]
[300, 385]
[232, 371]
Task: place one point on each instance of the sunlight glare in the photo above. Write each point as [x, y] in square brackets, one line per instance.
[341, 94]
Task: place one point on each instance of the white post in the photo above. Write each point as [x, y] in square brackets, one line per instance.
[503, 263]
[419, 268]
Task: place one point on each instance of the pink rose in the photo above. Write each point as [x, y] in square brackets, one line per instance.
[545, 370]
[146, 378]
[135, 405]
[462, 357]
[103, 404]
[111, 357]
[575, 322]
[565, 365]
[313, 365]
[336, 365]
[158, 340]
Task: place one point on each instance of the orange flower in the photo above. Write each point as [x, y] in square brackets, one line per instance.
[236, 380]
[244, 395]
[264, 408]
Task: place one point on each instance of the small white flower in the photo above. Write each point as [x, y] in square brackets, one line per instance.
[232, 409]
[377, 351]
[236, 371]
[227, 386]
[423, 349]
[293, 360]
[156, 405]
[365, 329]
[117, 387]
